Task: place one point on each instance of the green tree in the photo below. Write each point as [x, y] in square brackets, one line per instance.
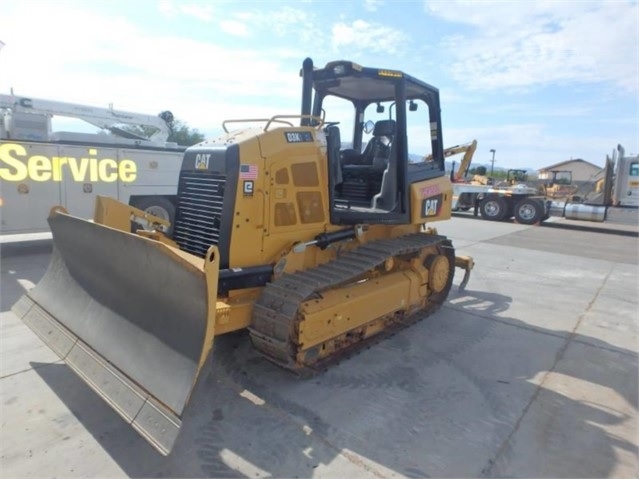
[480, 170]
[182, 134]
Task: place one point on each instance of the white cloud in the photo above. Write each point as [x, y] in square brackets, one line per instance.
[523, 44]
[282, 22]
[235, 28]
[372, 5]
[296, 25]
[370, 37]
[171, 9]
[167, 8]
[202, 12]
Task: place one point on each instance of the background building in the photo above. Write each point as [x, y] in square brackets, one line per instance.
[581, 170]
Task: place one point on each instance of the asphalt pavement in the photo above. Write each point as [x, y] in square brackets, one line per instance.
[530, 372]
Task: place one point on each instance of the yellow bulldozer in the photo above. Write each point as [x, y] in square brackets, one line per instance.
[559, 186]
[315, 248]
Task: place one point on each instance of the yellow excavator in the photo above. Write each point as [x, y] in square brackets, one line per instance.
[459, 176]
[468, 149]
[315, 248]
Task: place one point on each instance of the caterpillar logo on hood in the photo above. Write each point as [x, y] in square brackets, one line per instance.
[16, 165]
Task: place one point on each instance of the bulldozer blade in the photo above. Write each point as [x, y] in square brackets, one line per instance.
[131, 316]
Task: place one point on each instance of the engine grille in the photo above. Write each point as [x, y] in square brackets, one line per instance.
[199, 212]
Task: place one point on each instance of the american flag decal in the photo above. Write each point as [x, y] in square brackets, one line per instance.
[248, 172]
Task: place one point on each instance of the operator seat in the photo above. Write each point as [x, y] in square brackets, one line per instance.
[377, 151]
[378, 147]
[363, 173]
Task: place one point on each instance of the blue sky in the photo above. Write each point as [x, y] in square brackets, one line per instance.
[539, 82]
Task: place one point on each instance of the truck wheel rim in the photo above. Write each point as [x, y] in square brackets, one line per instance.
[492, 208]
[527, 212]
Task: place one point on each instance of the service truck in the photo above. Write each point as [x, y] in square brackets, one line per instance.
[40, 167]
[615, 196]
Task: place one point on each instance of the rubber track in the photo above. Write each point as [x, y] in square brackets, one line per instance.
[275, 312]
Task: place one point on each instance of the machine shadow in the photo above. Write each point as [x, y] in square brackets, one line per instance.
[250, 418]
[13, 272]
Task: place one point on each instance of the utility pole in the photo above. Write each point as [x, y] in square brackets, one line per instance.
[492, 164]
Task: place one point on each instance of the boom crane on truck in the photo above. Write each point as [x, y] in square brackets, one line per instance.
[274, 232]
[15, 107]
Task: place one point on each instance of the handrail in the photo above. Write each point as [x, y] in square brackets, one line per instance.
[274, 119]
[277, 118]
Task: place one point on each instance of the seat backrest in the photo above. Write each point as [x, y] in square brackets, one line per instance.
[384, 128]
[377, 151]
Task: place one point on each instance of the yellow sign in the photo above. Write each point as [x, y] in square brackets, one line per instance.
[16, 165]
[389, 73]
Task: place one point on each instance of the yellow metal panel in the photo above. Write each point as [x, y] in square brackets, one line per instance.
[305, 174]
[246, 248]
[291, 189]
[273, 142]
[234, 312]
[310, 206]
[431, 200]
[346, 308]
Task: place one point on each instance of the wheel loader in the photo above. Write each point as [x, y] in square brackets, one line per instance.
[316, 246]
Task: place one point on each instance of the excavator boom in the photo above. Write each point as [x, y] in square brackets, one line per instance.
[468, 149]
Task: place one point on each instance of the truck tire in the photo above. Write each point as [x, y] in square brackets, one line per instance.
[529, 211]
[157, 206]
[493, 208]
